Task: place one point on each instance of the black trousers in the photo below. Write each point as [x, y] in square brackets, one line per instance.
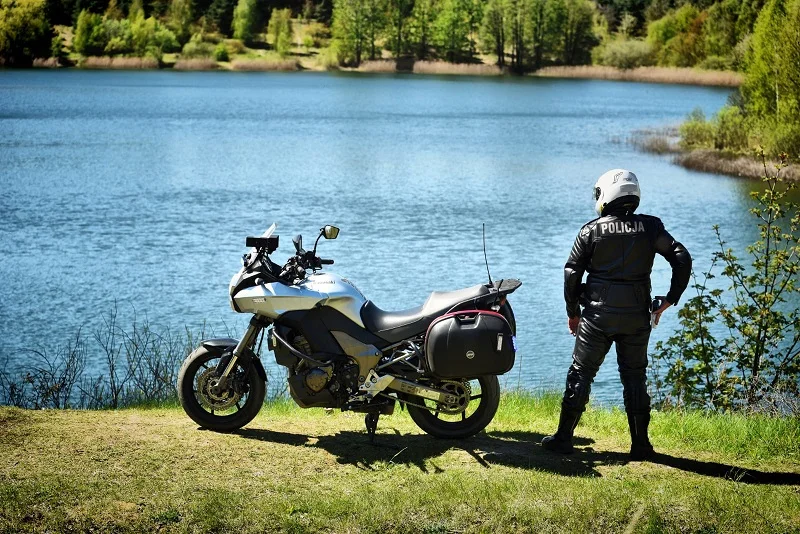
[596, 332]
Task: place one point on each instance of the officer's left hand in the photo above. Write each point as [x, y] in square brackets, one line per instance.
[662, 309]
[572, 323]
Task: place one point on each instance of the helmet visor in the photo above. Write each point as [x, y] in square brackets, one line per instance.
[596, 193]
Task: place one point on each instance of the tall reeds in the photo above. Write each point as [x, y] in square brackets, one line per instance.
[132, 63]
[646, 74]
[265, 64]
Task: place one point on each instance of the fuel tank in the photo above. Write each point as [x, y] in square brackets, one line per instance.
[323, 289]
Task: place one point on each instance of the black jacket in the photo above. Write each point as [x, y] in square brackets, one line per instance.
[617, 251]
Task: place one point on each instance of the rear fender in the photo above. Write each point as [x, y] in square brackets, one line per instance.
[221, 345]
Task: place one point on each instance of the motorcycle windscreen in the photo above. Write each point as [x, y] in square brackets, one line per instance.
[469, 344]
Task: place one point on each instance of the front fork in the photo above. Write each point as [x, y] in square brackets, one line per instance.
[248, 340]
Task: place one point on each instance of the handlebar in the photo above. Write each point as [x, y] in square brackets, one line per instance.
[325, 262]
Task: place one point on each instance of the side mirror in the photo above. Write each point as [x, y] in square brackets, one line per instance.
[298, 242]
[330, 232]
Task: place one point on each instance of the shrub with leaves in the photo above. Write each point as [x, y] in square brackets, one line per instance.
[759, 354]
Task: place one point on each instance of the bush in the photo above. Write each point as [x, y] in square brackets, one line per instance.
[235, 46]
[221, 53]
[759, 315]
[717, 63]
[626, 54]
[696, 132]
[730, 130]
[196, 48]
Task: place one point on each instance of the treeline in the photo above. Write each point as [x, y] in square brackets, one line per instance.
[520, 35]
[766, 110]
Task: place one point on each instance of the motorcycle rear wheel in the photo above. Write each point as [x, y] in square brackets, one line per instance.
[214, 413]
[467, 423]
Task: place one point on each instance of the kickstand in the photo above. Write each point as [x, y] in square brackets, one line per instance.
[371, 420]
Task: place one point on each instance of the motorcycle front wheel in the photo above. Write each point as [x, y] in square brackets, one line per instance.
[477, 404]
[222, 411]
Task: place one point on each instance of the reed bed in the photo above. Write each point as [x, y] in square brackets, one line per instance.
[46, 63]
[675, 75]
[133, 63]
[462, 69]
[262, 65]
[196, 64]
[378, 65]
[732, 165]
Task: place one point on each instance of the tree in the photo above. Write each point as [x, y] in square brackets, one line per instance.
[493, 29]
[220, 14]
[375, 20]
[522, 23]
[423, 17]
[579, 36]
[452, 30]
[397, 23]
[24, 32]
[280, 30]
[245, 19]
[349, 30]
[89, 38]
[180, 17]
[771, 88]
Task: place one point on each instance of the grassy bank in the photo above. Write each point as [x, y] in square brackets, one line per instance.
[296, 471]
[676, 75]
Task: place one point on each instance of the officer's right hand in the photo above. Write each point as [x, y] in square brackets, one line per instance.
[572, 323]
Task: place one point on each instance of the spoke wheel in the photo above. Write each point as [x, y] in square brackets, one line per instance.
[221, 410]
[476, 403]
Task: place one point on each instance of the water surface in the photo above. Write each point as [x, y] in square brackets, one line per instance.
[140, 187]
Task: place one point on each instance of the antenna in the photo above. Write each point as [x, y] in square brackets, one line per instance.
[484, 255]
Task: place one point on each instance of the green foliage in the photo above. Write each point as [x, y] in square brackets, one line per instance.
[24, 31]
[771, 89]
[677, 37]
[423, 17]
[245, 20]
[89, 38]
[625, 54]
[452, 30]
[180, 18]
[719, 29]
[151, 39]
[221, 52]
[57, 47]
[696, 132]
[356, 26]
[578, 32]
[493, 29]
[280, 30]
[197, 48]
[758, 359]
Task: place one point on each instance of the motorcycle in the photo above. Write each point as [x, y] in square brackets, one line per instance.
[439, 360]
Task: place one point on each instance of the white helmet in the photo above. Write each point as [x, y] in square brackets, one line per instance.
[614, 185]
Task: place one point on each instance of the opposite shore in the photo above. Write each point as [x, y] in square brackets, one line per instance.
[666, 75]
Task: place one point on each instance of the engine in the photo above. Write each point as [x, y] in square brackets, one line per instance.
[327, 386]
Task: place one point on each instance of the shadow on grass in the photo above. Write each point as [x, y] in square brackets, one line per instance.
[518, 449]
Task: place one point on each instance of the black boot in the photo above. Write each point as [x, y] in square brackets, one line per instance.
[561, 441]
[641, 449]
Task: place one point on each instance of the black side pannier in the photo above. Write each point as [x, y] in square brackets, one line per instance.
[469, 344]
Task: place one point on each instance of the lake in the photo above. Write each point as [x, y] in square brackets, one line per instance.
[140, 187]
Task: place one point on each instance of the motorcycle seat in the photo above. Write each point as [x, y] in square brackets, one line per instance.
[400, 325]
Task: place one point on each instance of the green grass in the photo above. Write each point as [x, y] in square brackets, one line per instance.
[293, 470]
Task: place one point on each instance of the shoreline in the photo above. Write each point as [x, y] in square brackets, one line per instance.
[666, 75]
[664, 141]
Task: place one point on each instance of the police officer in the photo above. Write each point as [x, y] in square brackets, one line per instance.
[617, 251]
